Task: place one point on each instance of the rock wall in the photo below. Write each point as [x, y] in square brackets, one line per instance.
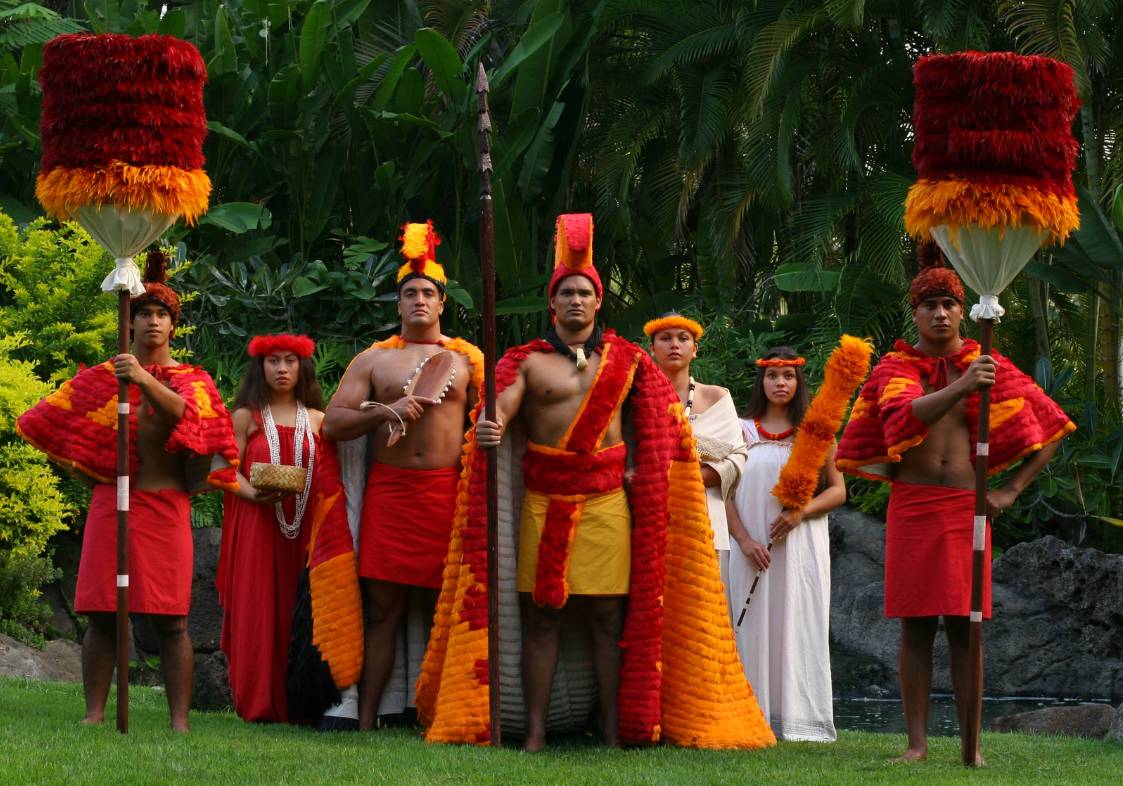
[1057, 627]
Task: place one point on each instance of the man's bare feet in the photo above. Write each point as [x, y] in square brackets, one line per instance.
[913, 755]
[92, 720]
[534, 743]
[181, 728]
[980, 762]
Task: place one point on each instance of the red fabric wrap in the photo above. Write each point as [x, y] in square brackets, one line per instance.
[568, 473]
[881, 427]
[76, 426]
[160, 553]
[117, 98]
[407, 519]
[1019, 126]
[928, 552]
[258, 572]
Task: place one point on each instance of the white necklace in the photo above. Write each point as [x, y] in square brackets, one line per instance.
[290, 531]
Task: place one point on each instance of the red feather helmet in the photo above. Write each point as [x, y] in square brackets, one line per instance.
[156, 289]
[934, 279]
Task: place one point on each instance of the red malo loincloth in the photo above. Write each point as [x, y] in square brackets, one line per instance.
[928, 552]
[160, 553]
[406, 523]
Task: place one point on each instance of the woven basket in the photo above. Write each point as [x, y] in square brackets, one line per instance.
[277, 477]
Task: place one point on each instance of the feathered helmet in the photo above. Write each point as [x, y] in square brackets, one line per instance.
[934, 279]
[573, 251]
[300, 345]
[156, 289]
[419, 247]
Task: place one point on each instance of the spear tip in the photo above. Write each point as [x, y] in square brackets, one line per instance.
[481, 80]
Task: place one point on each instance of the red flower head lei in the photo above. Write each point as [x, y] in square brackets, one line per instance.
[419, 247]
[573, 251]
[779, 362]
[673, 322]
[300, 345]
[156, 289]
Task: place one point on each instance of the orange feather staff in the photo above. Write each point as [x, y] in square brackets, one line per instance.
[846, 369]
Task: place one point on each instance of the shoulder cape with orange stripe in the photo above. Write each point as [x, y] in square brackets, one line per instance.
[76, 426]
[680, 679]
[330, 629]
[882, 426]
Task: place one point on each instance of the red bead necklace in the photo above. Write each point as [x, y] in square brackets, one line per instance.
[769, 435]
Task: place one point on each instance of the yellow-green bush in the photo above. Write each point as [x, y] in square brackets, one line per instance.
[33, 506]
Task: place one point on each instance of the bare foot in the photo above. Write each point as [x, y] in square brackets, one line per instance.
[180, 726]
[980, 762]
[92, 720]
[534, 743]
[913, 755]
[611, 741]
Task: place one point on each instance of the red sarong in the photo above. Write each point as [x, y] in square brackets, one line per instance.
[928, 552]
[160, 553]
[406, 524]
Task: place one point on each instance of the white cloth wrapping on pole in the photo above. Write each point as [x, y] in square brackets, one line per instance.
[988, 259]
[784, 641]
[124, 233]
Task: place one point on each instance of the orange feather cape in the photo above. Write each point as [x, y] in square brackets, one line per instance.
[680, 678]
[76, 426]
[882, 426]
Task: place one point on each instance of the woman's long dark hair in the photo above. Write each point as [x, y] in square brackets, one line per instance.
[797, 407]
[254, 393]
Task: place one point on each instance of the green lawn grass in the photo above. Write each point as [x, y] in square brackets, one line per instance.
[41, 742]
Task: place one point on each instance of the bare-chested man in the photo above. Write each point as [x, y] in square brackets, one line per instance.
[572, 412]
[914, 423]
[416, 444]
[175, 439]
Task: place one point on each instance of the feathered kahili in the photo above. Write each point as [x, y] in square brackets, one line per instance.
[1006, 158]
[846, 368]
[123, 124]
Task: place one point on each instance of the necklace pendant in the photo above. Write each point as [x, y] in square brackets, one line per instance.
[582, 361]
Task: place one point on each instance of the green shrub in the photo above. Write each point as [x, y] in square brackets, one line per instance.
[50, 288]
[33, 506]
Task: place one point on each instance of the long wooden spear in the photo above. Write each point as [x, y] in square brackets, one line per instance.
[123, 519]
[487, 272]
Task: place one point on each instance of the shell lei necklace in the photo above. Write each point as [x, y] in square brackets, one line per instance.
[302, 433]
[689, 408]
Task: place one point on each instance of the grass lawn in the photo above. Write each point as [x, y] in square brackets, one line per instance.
[41, 742]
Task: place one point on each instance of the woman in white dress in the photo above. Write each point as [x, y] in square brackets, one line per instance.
[783, 639]
[712, 415]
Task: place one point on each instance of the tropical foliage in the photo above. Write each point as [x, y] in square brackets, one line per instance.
[745, 159]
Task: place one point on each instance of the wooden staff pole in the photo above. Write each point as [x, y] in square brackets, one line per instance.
[487, 273]
[123, 520]
[971, 711]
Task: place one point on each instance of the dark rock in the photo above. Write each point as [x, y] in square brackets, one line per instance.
[211, 690]
[204, 624]
[61, 624]
[1115, 730]
[1082, 720]
[1058, 622]
[1057, 628]
[59, 660]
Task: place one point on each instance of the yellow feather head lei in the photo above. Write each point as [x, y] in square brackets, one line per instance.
[673, 322]
[846, 368]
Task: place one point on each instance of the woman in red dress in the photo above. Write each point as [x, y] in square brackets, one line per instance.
[277, 415]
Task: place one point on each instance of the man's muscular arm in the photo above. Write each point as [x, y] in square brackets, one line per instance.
[933, 406]
[164, 402]
[1000, 499]
[344, 420]
[489, 433]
